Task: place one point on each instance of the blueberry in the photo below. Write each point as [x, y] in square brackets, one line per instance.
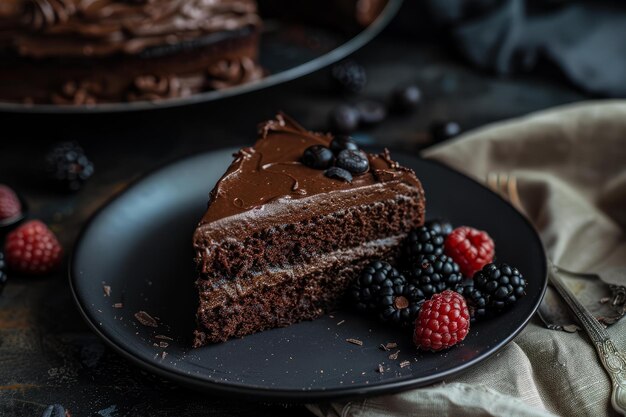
[344, 119]
[354, 161]
[317, 157]
[348, 77]
[441, 131]
[406, 98]
[341, 142]
[371, 112]
[339, 174]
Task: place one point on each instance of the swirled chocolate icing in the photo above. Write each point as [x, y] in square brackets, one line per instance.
[50, 28]
[271, 171]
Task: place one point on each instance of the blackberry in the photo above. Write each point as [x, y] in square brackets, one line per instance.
[434, 273]
[400, 303]
[423, 241]
[3, 272]
[503, 285]
[366, 290]
[441, 226]
[68, 166]
[476, 301]
[348, 77]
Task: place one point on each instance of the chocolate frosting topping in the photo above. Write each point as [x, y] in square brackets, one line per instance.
[105, 27]
[271, 171]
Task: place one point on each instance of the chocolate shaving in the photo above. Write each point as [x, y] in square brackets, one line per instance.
[380, 369]
[341, 322]
[107, 290]
[163, 344]
[355, 342]
[404, 364]
[145, 319]
[162, 337]
[383, 347]
[118, 305]
[394, 356]
[391, 345]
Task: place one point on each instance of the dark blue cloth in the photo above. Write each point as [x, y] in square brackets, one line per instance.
[586, 40]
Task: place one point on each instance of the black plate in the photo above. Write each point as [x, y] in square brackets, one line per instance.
[287, 51]
[140, 245]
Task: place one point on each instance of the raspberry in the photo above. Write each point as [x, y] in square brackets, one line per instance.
[32, 249]
[470, 248]
[10, 205]
[442, 322]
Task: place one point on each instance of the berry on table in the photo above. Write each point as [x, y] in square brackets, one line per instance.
[422, 241]
[68, 166]
[400, 303]
[32, 249]
[341, 142]
[365, 291]
[344, 119]
[354, 161]
[442, 322]
[503, 285]
[405, 98]
[470, 248]
[349, 77]
[338, 174]
[371, 112]
[3, 272]
[441, 226]
[441, 131]
[10, 205]
[317, 157]
[433, 274]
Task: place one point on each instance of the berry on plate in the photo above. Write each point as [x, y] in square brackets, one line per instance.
[433, 274]
[470, 248]
[442, 322]
[32, 249]
[441, 226]
[423, 241]
[10, 205]
[365, 291]
[348, 77]
[68, 166]
[476, 300]
[502, 284]
[400, 303]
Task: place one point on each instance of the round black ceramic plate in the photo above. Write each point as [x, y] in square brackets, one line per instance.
[287, 52]
[139, 245]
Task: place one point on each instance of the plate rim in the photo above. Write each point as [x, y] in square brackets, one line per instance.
[345, 49]
[292, 395]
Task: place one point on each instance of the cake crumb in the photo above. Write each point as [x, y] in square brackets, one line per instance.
[163, 344]
[107, 290]
[380, 369]
[355, 341]
[341, 322]
[391, 345]
[118, 305]
[145, 319]
[404, 364]
[394, 356]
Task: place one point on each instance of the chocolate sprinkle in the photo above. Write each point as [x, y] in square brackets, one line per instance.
[394, 356]
[355, 342]
[404, 364]
[145, 319]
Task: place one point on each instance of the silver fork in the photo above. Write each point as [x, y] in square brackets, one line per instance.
[613, 360]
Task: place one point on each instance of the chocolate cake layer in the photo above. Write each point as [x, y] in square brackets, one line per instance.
[280, 241]
[85, 52]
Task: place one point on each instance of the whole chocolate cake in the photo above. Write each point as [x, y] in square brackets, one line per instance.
[83, 52]
[280, 241]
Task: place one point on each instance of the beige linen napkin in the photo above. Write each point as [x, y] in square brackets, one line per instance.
[571, 168]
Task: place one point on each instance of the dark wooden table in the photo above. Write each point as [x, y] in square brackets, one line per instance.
[47, 354]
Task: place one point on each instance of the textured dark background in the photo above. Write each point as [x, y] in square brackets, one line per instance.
[47, 354]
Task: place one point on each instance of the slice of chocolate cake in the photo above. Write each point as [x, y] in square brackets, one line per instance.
[280, 241]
